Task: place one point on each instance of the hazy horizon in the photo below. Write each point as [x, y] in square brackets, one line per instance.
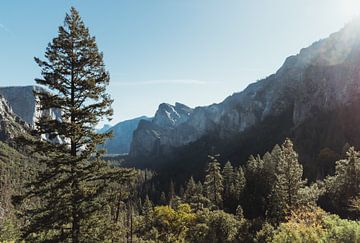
[168, 51]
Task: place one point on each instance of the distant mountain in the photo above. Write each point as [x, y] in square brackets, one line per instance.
[122, 135]
[104, 129]
[314, 98]
[149, 134]
[23, 102]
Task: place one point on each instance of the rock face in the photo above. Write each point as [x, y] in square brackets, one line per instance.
[23, 102]
[10, 124]
[161, 130]
[122, 135]
[323, 80]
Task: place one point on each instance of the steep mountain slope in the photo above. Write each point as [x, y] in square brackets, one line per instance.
[149, 135]
[313, 98]
[10, 124]
[122, 135]
[23, 102]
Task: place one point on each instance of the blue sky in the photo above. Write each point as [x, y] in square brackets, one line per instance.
[192, 51]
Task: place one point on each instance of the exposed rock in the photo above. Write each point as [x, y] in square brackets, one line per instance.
[149, 135]
[23, 102]
[10, 124]
[122, 134]
[321, 78]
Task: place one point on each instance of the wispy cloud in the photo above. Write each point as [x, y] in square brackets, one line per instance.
[164, 81]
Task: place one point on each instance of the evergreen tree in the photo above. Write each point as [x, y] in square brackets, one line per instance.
[288, 183]
[228, 178]
[214, 182]
[73, 178]
[190, 190]
[270, 163]
[239, 183]
[199, 188]
[344, 186]
[256, 190]
[147, 211]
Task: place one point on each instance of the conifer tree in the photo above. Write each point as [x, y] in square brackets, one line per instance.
[239, 183]
[147, 211]
[190, 189]
[344, 186]
[228, 177]
[270, 162]
[73, 178]
[256, 189]
[214, 182]
[199, 188]
[285, 195]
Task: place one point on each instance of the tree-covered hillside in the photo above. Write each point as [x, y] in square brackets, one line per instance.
[65, 190]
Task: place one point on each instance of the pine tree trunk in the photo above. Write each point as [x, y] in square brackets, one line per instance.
[75, 184]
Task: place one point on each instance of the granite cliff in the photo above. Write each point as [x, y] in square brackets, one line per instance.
[313, 98]
[23, 102]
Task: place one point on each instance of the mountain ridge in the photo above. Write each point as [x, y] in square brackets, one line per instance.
[319, 79]
[122, 134]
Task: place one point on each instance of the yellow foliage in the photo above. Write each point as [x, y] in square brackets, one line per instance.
[173, 224]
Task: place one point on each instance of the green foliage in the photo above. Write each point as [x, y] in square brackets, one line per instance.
[285, 195]
[223, 227]
[73, 180]
[341, 230]
[257, 189]
[193, 195]
[315, 225]
[213, 183]
[354, 206]
[265, 234]
[345, 184]
[215, 226]
[239, 183]
[171, 224]
[234, 183]
[9, 231]
[228, 176]
[15, 169]
[190, 190]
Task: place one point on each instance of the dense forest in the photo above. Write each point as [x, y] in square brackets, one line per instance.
[66, 192]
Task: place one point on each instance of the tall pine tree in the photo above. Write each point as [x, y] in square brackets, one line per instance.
[190, 190]
[285, 195]
[214, 182]
[344, 187]
[228, 177]
[73, 178]
[239, 183]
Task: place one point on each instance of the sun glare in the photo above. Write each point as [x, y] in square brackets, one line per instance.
[350, 8]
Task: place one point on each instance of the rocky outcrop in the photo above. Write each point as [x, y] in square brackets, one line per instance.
[160, 131]
[320, 79]
[10, 124]
[23, 103]
[122, 134]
